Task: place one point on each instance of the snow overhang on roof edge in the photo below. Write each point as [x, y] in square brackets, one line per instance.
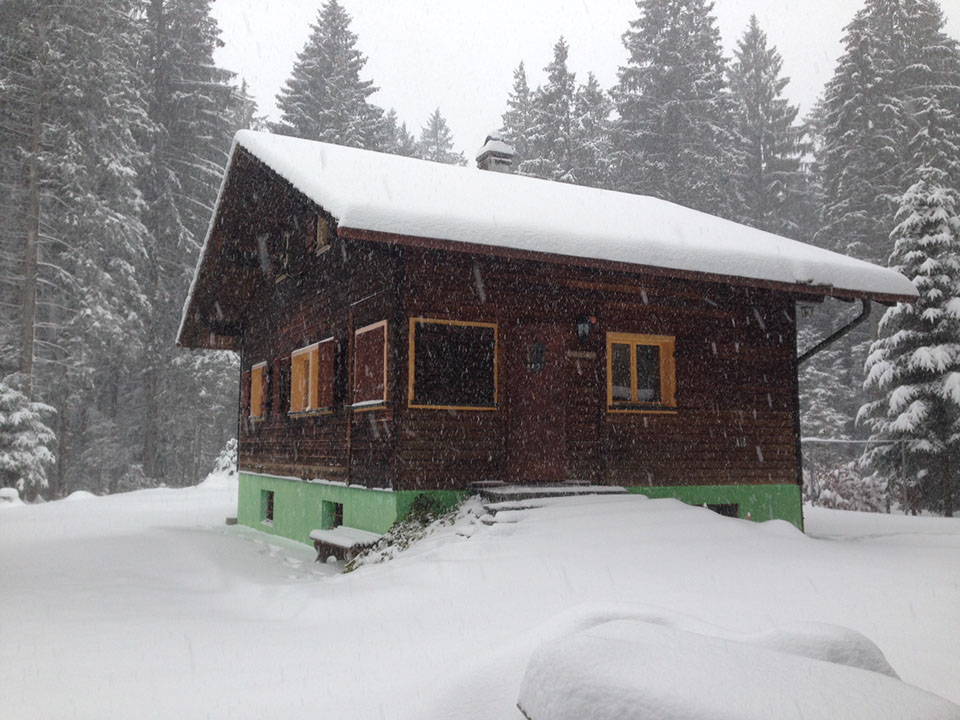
[467, 209]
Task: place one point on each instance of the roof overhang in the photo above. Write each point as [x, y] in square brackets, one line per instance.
[371, 198]
[802, 290]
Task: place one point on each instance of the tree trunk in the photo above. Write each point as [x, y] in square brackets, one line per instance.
[28, 297]
[62, 448]
[947, 487]
[150, 423]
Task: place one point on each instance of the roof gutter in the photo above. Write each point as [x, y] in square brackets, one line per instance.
[836, 335]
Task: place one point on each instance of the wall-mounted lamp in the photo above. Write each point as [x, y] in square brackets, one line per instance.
[584, 323]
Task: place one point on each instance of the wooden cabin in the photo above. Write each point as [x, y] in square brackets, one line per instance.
[409, 328]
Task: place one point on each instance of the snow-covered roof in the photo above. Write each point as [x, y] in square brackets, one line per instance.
[372, 191]
[407, 198]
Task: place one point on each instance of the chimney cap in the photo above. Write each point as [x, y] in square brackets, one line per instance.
[495, 153]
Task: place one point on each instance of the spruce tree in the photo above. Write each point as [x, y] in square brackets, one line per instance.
[550, 143]
[591, 134]
[394, 137]
[74, 111]
[862, 131]
[915, 363]
[324, 98]
[518, 119]
[770, 177]
[823, 381]
[192, 103]
[436, 142]
[896, 60]
[247, 113]
[895, 84]
[675, 137]
[25, 441]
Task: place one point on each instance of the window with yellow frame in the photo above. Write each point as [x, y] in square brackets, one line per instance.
[641, 375]
[311, 378]
[452, 364]
[257, 377]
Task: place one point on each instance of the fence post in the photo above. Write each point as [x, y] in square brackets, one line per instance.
[903, 474]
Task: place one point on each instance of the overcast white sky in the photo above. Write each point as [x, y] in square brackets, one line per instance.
[460, 54]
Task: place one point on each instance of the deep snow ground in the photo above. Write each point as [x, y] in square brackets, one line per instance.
[146, 605]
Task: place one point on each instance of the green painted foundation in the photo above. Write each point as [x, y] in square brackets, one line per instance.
[300, 507]
[760, 502]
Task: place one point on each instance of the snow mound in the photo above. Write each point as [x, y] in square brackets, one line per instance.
[219, 479]
[830, 643]
[626, 669]
[80, 495]
[9, 497]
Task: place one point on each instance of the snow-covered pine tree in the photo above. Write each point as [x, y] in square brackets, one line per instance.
[765, 122]
[247, 113]
[896, 60]
[862, 130]
[436, 142]
[591, 134]
[931, 72]
[83, 323]
[915, 363]
[324, 98]
[394, 137]
[845, 487]
[25, 442]
[518, 119]
[192, 103]
[550, 143]
[896, 57]
[824, 381]
[675, 135]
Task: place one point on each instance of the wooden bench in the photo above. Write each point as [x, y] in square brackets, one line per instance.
[342, 542]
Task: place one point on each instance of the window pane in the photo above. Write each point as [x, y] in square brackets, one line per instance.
[620, 372]
[648, 373]
[454, 365]
[368, 368]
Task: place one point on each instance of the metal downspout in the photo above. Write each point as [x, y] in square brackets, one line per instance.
[837, 334]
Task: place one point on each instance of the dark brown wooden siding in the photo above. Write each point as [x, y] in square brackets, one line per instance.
[735, 362]
[314, 297]
[735, 366]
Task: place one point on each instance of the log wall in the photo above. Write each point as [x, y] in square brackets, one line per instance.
[735, 365]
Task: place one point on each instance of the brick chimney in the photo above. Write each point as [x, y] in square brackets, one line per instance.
[495, 155]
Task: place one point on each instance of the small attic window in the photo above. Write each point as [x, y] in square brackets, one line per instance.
[285, 250]
[322, 240]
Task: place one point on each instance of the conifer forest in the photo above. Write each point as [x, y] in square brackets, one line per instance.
[116, 124]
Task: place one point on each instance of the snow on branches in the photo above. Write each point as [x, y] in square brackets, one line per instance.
[914, 366]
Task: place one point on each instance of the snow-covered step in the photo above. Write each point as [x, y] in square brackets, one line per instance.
[536, 492]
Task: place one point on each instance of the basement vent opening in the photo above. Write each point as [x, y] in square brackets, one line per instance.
[266, 507]
[725, 509]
